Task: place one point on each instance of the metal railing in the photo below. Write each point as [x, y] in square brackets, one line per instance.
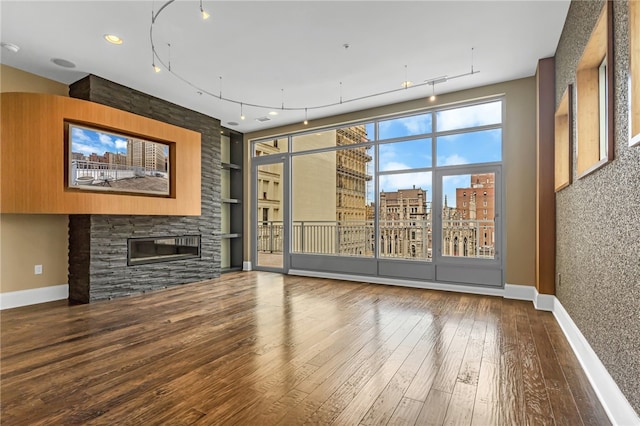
[402, 239]
[87, 172]
[468, 238]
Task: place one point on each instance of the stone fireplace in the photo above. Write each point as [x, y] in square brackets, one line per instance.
[99, 261]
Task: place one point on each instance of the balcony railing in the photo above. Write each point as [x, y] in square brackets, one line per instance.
[401, 239]
[86, 172]
[469, 238]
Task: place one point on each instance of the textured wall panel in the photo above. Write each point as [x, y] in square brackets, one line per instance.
[108, 273]
[598, 219]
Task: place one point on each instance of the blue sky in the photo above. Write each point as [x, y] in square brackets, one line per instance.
[463, 148]
[88, 141]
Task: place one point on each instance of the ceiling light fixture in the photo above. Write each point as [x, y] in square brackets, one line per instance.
[242, 117]
[273, 112]
[113, 39]
[433, 93]
[405, 85]
[153, 61]
[204, 13]
[10, 47]
[306, 121]
[63, 63]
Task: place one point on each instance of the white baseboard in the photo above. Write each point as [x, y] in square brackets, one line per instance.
[519, 292]
[544, 302]
[611, 397]
[488, 291]
[246, 265]
[15, 299]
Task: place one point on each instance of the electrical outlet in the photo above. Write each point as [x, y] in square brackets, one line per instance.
[37, 269]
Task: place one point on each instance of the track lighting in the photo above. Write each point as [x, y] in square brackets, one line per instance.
[204, 13]
[272, 107]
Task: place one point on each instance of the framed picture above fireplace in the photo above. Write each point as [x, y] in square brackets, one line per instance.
[103, 160]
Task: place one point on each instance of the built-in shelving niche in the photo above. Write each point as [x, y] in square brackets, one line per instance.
[594, 97]
[563, 165]
[231, 200]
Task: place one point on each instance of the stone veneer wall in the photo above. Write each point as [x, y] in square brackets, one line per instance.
[98, 243]
[598, 218]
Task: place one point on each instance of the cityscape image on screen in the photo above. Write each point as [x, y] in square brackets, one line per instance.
[100, 160]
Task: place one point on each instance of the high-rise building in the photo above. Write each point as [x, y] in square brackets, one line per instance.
[352, 176]
[148, 155]
[468, 227]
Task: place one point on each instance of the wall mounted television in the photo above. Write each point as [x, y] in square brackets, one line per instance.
[102, 160]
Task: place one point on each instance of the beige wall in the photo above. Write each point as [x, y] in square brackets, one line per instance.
[519, 164]
[29, 240]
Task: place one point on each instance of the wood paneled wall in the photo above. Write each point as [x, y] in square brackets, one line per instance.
[33, 159]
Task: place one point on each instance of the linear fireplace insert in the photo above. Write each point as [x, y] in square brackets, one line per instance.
[162, 249]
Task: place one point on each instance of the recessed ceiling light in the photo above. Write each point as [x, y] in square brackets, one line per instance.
[63, 63]
[273, 112]
[113, 39]
[232, 123]
[10, 46]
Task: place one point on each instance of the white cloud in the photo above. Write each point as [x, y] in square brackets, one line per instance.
[391, 183]
[106, 139]
[79, 135]
[476, 115]
[83, 148]
[452, 160]
[121, 144]
[416, 125]
[393, 165]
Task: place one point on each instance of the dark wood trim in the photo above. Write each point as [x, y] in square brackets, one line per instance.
[545, 182]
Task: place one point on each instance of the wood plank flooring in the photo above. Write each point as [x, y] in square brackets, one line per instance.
[266, 349]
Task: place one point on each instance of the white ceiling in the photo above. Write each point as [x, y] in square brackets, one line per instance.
[260, 48]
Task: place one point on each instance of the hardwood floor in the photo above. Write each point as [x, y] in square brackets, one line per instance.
[266, 349]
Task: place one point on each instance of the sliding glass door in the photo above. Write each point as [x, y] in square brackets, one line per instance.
[269, 181]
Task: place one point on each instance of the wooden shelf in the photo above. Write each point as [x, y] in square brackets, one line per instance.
[230, 166]
[231, 200]
[231, 235]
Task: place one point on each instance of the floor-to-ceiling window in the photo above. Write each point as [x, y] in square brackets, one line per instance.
[416, 196]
